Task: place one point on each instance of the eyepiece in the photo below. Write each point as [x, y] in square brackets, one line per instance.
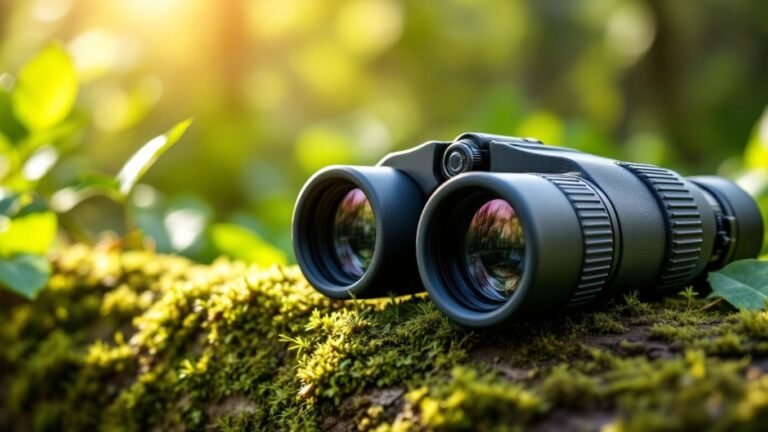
[494, 248]
[353, 231]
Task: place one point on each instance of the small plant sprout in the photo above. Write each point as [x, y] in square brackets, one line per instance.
[690, 295]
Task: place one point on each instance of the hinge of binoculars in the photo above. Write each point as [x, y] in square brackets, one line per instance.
[469, 152]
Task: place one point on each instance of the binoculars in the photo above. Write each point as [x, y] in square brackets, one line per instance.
[500, 229]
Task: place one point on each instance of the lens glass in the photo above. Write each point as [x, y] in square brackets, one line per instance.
[354, 233]
[494, 250]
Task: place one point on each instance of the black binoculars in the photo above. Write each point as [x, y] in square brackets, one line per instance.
[499, 229]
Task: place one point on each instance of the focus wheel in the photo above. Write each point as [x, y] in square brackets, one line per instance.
[685, 236]
[597, 232]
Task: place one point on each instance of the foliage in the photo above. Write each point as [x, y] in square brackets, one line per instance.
[136, 341]
[45, 89]
[41, 100]
[36, 115]
[120, 187]
[25, 274]
[744, 284]
[140, 162]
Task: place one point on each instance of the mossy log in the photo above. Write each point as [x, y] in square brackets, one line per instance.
[137, 341]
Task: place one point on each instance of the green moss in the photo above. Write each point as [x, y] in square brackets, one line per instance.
[471, 400]
[732, 335]
[135, 341]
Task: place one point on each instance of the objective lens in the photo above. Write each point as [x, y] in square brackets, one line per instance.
[494, 251]
[354, 233]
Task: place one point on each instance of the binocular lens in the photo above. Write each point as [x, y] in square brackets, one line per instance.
[494, 251]
[495, 246]
[354, 233]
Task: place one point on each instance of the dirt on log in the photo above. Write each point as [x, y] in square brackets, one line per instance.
[137, 341]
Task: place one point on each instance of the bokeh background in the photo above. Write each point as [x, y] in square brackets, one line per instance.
[281, 88]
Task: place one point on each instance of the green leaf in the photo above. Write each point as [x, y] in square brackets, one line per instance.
[25, 274]
[9, 124]
[143, 159]
[243, 244]
[46, 89]
[744, 284]
[9, 157]
[86, 187]
[15, 205]
[10, 205]
[60, 136]
[31, 233]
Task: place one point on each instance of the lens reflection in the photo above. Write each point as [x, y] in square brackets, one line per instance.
[354, 233]
[494, 249]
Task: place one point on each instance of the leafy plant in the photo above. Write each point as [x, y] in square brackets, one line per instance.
[689, 294]
[27, 230]
[141, 161]
[120, 187]
[45, 89]
[25, 274]
[37, 119]
[744, 284]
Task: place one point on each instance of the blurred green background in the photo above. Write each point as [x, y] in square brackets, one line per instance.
[281, 88]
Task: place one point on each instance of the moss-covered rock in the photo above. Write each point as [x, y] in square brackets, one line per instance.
[136, 341]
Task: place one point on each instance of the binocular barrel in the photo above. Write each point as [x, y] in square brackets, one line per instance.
[500, 229]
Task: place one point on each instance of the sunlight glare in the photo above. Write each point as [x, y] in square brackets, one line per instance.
[40, 163]
[149, 8]
[97, 52]
[51, 10]
[184, 227]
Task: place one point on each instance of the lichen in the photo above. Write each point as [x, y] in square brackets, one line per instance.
[135, 341]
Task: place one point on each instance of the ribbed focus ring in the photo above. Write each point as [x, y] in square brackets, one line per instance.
[598, 234]
[685, 236]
